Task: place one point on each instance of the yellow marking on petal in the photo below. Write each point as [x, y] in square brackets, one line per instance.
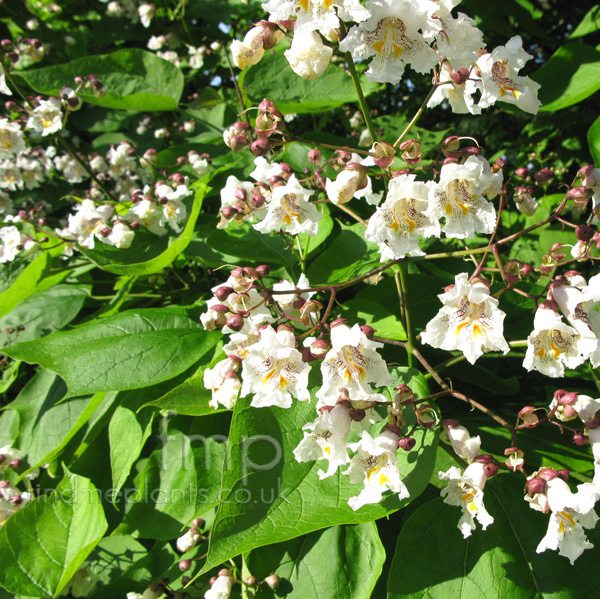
[555, 350]
[304, 4]
[287, 220]
[460, 327]
[411, 224]
[569, 518]
[269, 376]
[347, 375]
[373, 471]
[477, 330]
[328, 3]
[466, 498]
[378, 46]
[383, 479]
[282, 381]
[327, 450]
[397, 50]
[449, 209]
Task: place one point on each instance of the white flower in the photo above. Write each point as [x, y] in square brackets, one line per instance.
[156, 42]
[121, 236]
[188, 541]
[469, 320]
[376, 467]
[221, 588]
[571, 513]
[83, 583]
[325, 439]
[146, 12]
[459, 197]
[196, 56]
[46, 118]
[466, 491]
[13, 242]
[579, 302]
[199, 164]
[251, 50]
[352, 182]
[553, 345]
[291, 303]
[392, 36]
[224, 383]
[11, 139]
[88, 222]
[274, 370]
[4, 89]
[459, 95]
[316, 15]
[308, 56]
[500, 80]
[290, 211]
[464, 446]
[352, 363]
[459, 39]
[148, 213]
[173, 210]
[525, 202]
[402, 218]
[147, 594]
[171, 56]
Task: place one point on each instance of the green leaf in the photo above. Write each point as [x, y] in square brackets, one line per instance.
[269, 497]
[180, 482]
[341, 561]
[349, 256]
[137, 348]
[571, 75]
[24, 285]
[433, 560]
[43, 544]
[273, 78]
[127, 434]
[589, 24]
[377, 315]
[148, 253]
[134, 79]
[309, 243]
[242, 240]
[594, 140]
[44, 313]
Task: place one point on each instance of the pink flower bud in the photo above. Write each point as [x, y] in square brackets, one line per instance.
[319, 349]
[357, 414]
[584, 232]
[543, 176]
[521, 172]
[368, 331]
[235, 322]
[315, 156]
[547, 474]
[580, 439]
[260, 147]
[490, 469]
[407, 443]
[536, 485]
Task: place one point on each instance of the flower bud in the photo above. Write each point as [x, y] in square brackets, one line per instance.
[357, 414]
[368, 331]
[490, 469]
[563, 474]
[224, 572]
[272, 581]
[411, 151]
[515, 459]
[315, 156]
[319, 349]
[185, 565]
[543, 176]
[577, 193]
[384, 154]
[521, 172]
[199, 522]
[528, 416]
[404, 394]
[427, 416]
[407, 443]
[584, 232]
[459, 77]
[252, 581]
[237, 143]
[536, 485]
[580, 439]
[269, 107]
[260, 147]
[450, 145]
[222, 293]
[235, 322]
[310, 311]
[547, 474]
[263, 270]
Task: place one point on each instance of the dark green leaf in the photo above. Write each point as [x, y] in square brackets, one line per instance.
[269, 497]
[44, 543]
[133, 349]
[24, 285]
[571, 75]
[134, 79]
[342, 561]
[273, 78]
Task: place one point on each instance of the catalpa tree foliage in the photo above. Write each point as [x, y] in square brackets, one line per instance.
[299, 298]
